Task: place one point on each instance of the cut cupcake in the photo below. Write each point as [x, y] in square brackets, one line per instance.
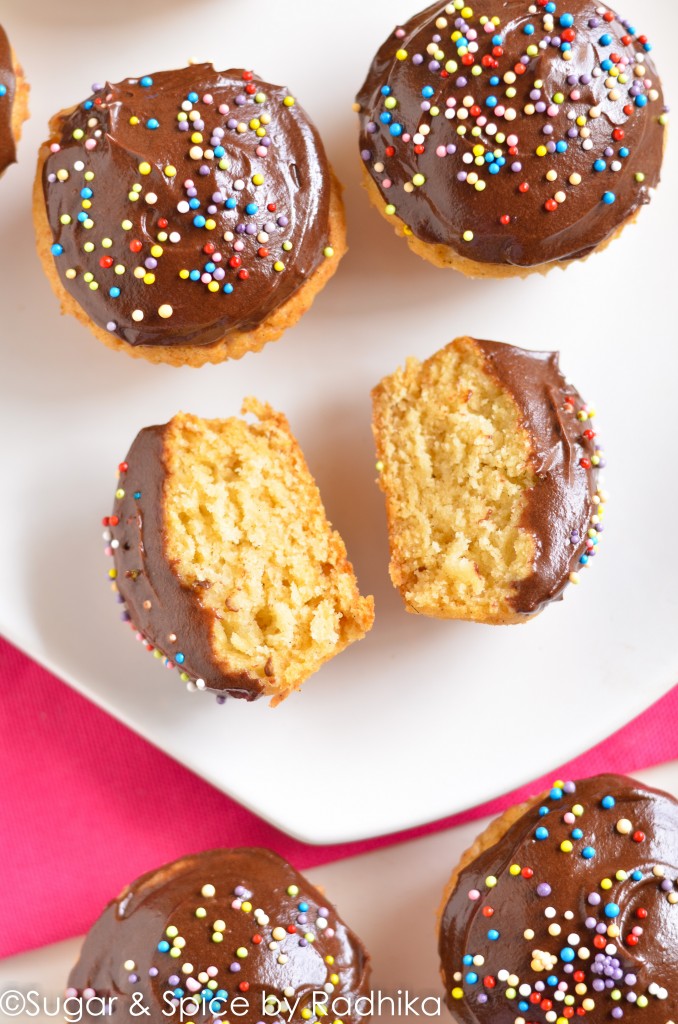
[490, 466]
[225, 560]
[14, 91]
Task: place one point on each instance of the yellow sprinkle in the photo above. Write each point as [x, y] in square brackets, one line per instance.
[278, 266]
[149, 278]
[257, 179]
[78, 133]
[289, 101]
[156, 251]
[389, 210]
[170, 170]
[514, 869]
[457, 993]
[144, 167]
[328, 251]
[468, 237]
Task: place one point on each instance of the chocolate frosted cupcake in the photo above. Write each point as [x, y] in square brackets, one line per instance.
[502, 137]
[187, 216]
[223, 935]
[566, 907]
[490, 468]
[13, 102]
[224, 559]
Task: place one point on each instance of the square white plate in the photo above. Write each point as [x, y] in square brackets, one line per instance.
[422, 718]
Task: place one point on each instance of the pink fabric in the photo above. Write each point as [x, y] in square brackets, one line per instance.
[86, 805]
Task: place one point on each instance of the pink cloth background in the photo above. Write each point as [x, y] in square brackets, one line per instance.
[86, 805]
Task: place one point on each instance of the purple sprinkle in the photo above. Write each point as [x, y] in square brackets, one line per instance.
[303, 942]
[183, 126]
[366, 154]
[598, 985]
[191, 192]
[516, 167]
[593, 899]
[462, 83]
[482, 997]
[240, 100]
[434, 66]
[571, 79]
[234, 968]
[540, 107]
[97, 86]
[547, 129]
[153, 972]
[572, 133]
[173, 979]
[461, 176]
[594, 22]
[617, 1012]
[590, 922]
[150, 263]
[250, 229]
[535, 94]
[240, 229]
[283, 221]
[417, 59]
[543, 889]
[666, 886]
[211, 209]
[231, 123]
[451, 148]
[219, 274]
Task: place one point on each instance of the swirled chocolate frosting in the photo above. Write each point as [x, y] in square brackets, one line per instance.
[7, 92]
[565, 507]
[514, 133]
[185, 205]
[572, 913]
[165, 611]
[228, 932]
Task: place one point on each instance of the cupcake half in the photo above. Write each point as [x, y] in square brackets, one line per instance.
[187, 216]
[489, 463]
[14, 91]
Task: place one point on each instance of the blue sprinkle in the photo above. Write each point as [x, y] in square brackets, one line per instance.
[178, 992]
[577, 833]
[588, 853]
[609, 198]
[565, 47]
[500, 161]
[556, 793]
[552, 980]
[210, 267]
[607, 65]
[495, 80]
[624, 152]
[86, 193]
[584, 560]
[228, 288]
[194, 275]
[199, 221]
[146, 81]
[497, 40]
[561, 147]
[541, 833]
[637, 875]
[567, 954]
[82, 216]
[493, 935]
[428, 91]
[647, 47]
[386, 90]
[543, 811]
[222, 994]
[152, 123]
[611, 910]
[608, 802]
[467, 959]
[471, 977]
[192, 97]
[114, 292]
[529, 30]
[396, 129]
[194, 203]
[566, 20]
[641, 101]
[494, 168]
[523, 1006]
[303, 907]
[251, 209]
[491, 101]
[550, 8]
[57, 249]
[231, 203]
[180, 658]
[136, 495]
[599, 165]
[385, 117]
[605, 39]
[163, 946]
[219, 151]
[87, 104]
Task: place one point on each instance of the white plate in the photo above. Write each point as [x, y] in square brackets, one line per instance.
[422, 718]
[376, 893]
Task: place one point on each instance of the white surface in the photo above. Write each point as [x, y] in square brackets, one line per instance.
[415, 721]
[389, 897]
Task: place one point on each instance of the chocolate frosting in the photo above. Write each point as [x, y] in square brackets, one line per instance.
[166, 611]
[539, 931]
[8, 83]
[584, 100]
[564, 508]
[245, 923]
[198, 227]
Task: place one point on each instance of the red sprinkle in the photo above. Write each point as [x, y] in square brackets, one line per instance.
[551, 205]
[585, 463]
[163, 222]
[106, 261]
[123, 467]
[638, 836]
[524, 186]
[505, 219]
[135, 245]
[114, 520]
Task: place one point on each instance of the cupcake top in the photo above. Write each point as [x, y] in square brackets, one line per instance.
[197, 935]
[185, 204]
[7, 91]
[573, 912]
[513, 133]
[565, 508]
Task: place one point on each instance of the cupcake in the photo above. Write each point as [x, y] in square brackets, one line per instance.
[14, 91]
[225, 563]
[187, 216]
[567, 907]
[217, 936]
[489, 464]
[505, 137]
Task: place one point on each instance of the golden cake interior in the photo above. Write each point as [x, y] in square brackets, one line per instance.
[455, 469]
[244, 516]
